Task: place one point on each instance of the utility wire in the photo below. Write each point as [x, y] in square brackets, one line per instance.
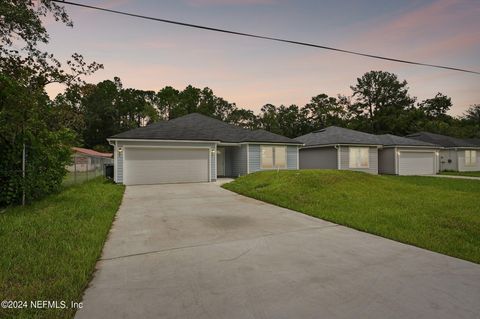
[251, 35]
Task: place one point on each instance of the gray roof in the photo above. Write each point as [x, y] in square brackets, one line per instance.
[442, 140]
[475, 141]
[394, 140]
[198, 127]
[338, 135]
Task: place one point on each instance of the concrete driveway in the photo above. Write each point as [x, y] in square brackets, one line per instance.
[199, 251]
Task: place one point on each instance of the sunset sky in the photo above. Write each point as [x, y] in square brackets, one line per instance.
[250, 72]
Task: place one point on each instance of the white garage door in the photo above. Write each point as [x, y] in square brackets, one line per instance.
[416, 163]
[165, 165]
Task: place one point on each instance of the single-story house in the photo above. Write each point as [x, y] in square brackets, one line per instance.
[339, 148]
[197, 148]
[85, 160]
[456, 154]
[405, 156]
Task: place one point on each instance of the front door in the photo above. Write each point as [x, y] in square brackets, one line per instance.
[220, 161]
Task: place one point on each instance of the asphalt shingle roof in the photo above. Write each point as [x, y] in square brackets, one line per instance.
[394, 140]
[442, 140]
[199, 127]
[337, 135]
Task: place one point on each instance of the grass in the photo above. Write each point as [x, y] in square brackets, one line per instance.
[72, 178]
[472, 174]
[441, 215]
[49, 249]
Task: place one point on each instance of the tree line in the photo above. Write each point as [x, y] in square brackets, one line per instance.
[43, 130]
[379, 103]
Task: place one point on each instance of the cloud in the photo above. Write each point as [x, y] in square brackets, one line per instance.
[229, 2]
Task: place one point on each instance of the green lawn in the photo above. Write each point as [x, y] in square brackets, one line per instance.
[473, 174]
[49, 249]
[438, 214]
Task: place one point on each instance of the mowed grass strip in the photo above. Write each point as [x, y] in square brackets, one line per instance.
[472, 174]
[438, 214]
[49, 249]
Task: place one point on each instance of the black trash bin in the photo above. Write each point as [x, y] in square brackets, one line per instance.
[108, 169]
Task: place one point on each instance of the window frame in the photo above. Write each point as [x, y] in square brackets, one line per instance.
[471, 159]
[357, 164]
[273, 149]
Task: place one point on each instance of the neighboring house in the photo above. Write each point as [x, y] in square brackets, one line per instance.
[85, 160]
[339, 148]
[456, 154]
[197, 148]
[405, 156]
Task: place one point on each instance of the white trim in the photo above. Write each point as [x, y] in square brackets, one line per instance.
[298, 157]
[335, 145]
[209, 150]
[397, 171]
[160, 141]
[164, 146]
[409, 146]
[115, 162]
[248, 158]
[196, 141]
[270, 143]
[399, 151]
[339, 157]
[368, 157]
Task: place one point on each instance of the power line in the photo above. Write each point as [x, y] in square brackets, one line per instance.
[251, 35]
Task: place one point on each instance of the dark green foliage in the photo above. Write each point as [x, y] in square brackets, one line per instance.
[26, 113]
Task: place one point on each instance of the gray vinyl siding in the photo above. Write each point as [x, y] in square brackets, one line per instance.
[386, 161]
[461, 162]
[292, 157]
[373, 160]
[228, 161]
[255, 156]
[318, 158]
[448, 160]
[213, 166]
[123, 144]
[238, 157]
[119, 167]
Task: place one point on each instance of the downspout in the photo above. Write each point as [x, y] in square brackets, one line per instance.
[339, 164]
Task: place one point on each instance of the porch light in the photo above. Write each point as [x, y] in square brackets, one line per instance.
[120, 150]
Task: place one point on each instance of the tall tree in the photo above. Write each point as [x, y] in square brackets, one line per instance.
[27, 117]
[324, 110]
[436, 107]
[472, 114]
[380, 97]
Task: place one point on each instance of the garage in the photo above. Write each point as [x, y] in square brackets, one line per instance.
[416, 163]
[165, 165]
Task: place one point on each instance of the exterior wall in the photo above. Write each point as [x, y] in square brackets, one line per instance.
[373, 160]
[292, 157]
[386, 161]
[238, 156]
[254, 157]
[318, 158]
[448, 160]
[125, 144]
[461, 162]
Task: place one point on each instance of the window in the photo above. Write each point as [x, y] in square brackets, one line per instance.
[470, 158]
[273, 157]
[280, 157]
[359, 157]
[267, 157]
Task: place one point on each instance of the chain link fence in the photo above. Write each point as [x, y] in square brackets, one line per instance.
[84, 168]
